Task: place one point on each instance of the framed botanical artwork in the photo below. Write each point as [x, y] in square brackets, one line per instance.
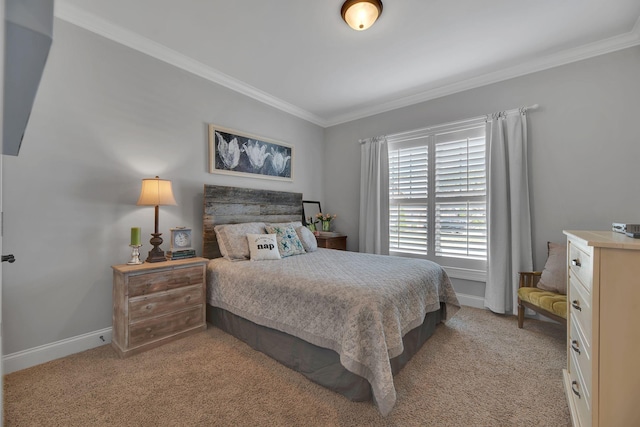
[236, 153]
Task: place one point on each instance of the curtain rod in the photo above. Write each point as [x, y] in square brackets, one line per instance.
[363, 140]
[458, 122]
[518, 110]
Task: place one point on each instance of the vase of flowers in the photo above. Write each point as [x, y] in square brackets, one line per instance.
[325, 219]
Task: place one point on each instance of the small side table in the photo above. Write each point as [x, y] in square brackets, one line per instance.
[332, 240]
[154, 303]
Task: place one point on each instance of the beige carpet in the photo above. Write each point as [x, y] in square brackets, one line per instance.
[479, 369]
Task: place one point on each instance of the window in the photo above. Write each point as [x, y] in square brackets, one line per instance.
[437, 194]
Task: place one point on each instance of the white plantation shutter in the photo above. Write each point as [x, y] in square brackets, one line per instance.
[408, 190]
[408, 173]
[461, 229]
[461, 189]
[437, 192]
[408, 228]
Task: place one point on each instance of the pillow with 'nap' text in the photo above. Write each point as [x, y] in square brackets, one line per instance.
[263, 247]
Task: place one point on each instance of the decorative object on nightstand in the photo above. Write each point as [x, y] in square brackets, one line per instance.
[332, 240]
[311, 225]
[157, 303]
[181, 246]
[326, 219]
[310, 209]
[135, 246]
[156, 192]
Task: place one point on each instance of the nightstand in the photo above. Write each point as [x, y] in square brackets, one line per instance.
[332, 240]
[154, 303]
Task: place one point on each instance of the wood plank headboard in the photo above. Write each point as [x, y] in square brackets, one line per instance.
[233, 205]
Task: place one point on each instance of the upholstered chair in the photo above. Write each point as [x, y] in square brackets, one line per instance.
[545, 292]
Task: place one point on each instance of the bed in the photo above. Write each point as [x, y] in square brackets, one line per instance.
[346, 320]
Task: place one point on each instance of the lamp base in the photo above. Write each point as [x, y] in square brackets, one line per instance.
[156, 254]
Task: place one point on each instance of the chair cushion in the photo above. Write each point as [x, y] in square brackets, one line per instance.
[549, 301]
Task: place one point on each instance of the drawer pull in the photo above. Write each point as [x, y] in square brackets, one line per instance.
[573, 383]
[188, 298]
[574, 346]
[148, 307]
[576, 304]
[576, 262]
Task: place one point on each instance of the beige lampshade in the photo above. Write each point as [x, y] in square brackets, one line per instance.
[361, 14]
[156, 192]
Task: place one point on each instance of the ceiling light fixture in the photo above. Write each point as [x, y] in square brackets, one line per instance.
[361, 14]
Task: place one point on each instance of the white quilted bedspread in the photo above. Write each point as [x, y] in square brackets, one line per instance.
[359, 305]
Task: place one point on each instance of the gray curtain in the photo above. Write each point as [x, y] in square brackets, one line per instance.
[508, 211]
[374, 196]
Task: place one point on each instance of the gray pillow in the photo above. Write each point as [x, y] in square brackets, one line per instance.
[232, 238]
[309, 242]
[554, 275]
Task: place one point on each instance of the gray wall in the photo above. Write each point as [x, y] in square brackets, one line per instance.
[105, 117]
[583, 143]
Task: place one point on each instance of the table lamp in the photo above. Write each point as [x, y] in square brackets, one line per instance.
[156, 192]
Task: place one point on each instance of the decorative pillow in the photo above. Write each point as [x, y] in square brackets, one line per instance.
[288, 241]
[309, 242]
[263, 246]
[232, 238]
[554, 275]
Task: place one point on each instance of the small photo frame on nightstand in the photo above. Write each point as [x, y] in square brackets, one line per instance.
[181, 239]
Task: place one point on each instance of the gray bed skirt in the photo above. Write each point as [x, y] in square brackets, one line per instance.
[320, 365]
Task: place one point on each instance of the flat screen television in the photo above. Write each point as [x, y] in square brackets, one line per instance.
[28, 37]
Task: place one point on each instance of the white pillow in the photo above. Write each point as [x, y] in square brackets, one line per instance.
[263, 246]
[309, 242]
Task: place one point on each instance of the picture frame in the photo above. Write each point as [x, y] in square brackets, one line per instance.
[235, 153]
[310, 208]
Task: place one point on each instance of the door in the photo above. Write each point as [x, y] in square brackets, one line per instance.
[2, 5]
[1, 232]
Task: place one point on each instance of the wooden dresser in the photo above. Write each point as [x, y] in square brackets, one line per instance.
[154, 303]
[602, 379]
[332, 240]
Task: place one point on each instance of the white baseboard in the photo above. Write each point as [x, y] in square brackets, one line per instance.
[470, 300]
[35, 356]
[45, 353]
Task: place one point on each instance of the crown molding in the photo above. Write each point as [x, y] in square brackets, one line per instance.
[587, 51]
[91, 22]
[97, 25]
